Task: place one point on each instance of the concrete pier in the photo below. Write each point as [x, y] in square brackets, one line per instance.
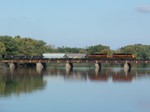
[39, 66]
[12, 66]
[97, 65]
[69, 66]
[127, 66]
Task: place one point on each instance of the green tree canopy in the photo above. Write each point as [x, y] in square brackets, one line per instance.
[2, 48]
[10, 44]
[141, 51]
[98, 49]
[22, 46]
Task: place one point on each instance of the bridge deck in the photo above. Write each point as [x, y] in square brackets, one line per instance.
[73, 61]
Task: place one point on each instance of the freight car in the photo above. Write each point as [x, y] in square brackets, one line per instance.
[54, 55]
[11, 57]
[76, 55]
[20, 57]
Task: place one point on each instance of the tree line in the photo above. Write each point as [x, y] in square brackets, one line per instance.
[27, 46]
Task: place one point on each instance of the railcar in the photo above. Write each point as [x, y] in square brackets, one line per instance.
[12, 57]
[20, 57]
[123, 56]
[36, 57]
[7, 57]
[75, 55]
[98, 56]
[54, 55]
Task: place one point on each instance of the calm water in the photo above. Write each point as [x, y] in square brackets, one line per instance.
[84, 89]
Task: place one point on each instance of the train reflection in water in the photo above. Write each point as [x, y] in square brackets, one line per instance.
[17, 81]
[77, 74]
[90, 74]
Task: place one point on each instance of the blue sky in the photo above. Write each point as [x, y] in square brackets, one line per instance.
[78, 23]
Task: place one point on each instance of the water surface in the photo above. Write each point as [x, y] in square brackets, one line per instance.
[111, 89]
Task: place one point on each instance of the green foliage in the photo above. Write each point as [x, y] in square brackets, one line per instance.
[2, 48]
[10, 44]
[27, 46]
[98, 49]
[22, 46]
[69, 50]
[141, 51]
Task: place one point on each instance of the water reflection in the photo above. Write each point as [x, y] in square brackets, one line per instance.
[105, 74]
[17, 81]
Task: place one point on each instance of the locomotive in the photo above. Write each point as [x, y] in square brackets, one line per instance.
[114, 56]
[123, 56]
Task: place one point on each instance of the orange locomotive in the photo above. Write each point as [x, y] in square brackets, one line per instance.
[115, 56]
[123, 56]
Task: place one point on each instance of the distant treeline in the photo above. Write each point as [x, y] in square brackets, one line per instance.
[27, 46]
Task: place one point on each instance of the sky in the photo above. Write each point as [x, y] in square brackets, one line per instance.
[78, 23]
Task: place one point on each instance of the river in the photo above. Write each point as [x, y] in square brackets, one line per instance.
[84, 89]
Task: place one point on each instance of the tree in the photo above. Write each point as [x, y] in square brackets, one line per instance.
[10, 44]
[141, 51]
[2, 48]
[23, 46]
[98, 49]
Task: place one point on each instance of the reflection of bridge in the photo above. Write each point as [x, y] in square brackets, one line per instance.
[69, 63]
[103, 75]
[25, 80]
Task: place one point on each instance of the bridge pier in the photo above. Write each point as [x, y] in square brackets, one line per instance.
[69, 66]
[12, 66]
[127, 66]
[40, 65]
[97, 65]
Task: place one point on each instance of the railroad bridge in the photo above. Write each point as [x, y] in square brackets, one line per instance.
[41, 63]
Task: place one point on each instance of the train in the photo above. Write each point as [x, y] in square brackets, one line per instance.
[114, 56]
[96, 56]
[123, 56]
